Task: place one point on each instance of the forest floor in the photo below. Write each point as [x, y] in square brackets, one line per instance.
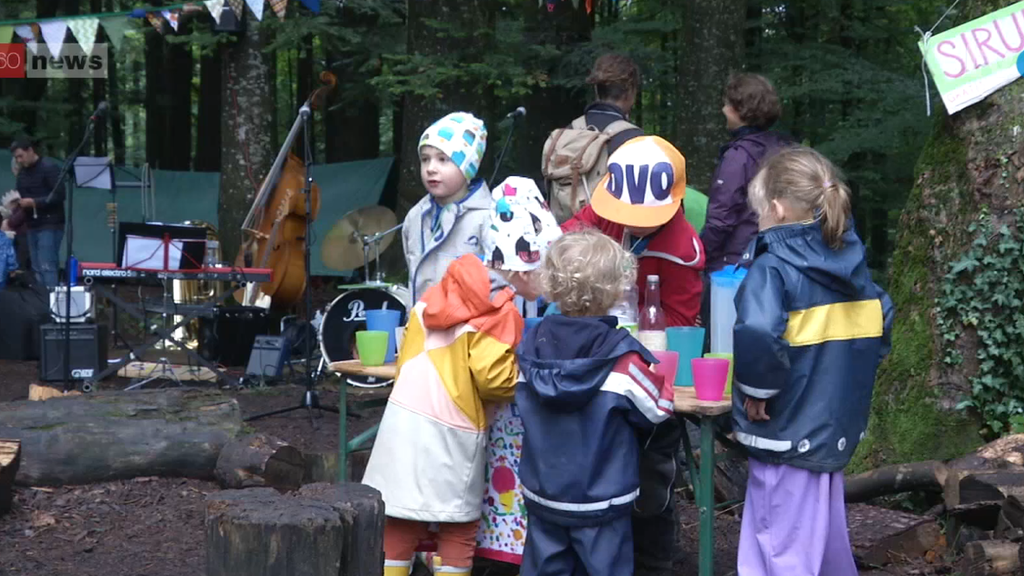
[154, 526]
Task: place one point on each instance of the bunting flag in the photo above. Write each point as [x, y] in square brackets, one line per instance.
[115, 29]
[215, 7]
[84, 30]
[155, 21]
[6, 33]
[172, 17]
[280, 7]
[25, 33]
[257, 8]
[313, 5]
[54, 32]
[237, 8]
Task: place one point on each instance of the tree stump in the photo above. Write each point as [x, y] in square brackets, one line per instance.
[10, 458]
[990, 558]
[260, 460]
[969, 487]
[878, 534]
[362, 511]
[259, 532]
[111, 436]
[322, 530]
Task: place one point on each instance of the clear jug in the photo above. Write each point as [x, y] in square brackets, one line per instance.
[724, 285]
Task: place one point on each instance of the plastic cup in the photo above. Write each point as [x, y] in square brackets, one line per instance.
[372, 346]
[709, 376]
[668, 364]
[688, 342]
[728, 380]
[385, 321]
[633, 327]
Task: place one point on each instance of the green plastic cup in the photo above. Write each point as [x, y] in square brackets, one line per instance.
[372, 346]
[728, 379]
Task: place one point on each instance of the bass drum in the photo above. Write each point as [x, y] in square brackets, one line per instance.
[346, 315]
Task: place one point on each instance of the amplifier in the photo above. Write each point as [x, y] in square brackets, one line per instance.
[81, 304]
[269, 353]
[88, 351]
[227, 338]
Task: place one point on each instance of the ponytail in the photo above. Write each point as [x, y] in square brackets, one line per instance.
[835, 212]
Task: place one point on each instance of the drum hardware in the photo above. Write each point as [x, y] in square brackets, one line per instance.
[347, 314]
[358, 233]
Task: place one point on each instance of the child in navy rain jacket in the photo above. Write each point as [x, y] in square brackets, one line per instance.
[811, 329]
[588, 388]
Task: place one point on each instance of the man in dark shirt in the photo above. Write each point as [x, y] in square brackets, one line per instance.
[616, 81]
[44, 207]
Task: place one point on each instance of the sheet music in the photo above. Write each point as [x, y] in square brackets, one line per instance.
[93, 172]
[148, 253]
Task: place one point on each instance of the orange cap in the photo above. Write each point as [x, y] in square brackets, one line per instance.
[645, 183]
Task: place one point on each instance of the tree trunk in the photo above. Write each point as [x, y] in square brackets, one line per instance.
[969, 166]
[10, 458]
[102, 437]
[990, 558]
[156, 97]
[259, 460]
[424, 39]
[99, 92]
[362, 510]
[208, 136]
[177, 122]
[353, 108]
[75, 97]
[927, 476]
[116, 120]
[247, 151]
[712, 47]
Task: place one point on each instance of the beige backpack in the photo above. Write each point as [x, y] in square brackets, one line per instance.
[575, 159]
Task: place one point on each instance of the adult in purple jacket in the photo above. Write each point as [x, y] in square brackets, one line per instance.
[751, 108]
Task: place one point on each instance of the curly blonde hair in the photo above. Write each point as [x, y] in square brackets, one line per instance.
[586, 273]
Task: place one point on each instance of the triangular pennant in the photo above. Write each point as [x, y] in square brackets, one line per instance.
[53, 33]
[314, 5]
[155, 21]
[172, 17]
[280, 7]
[25, 33]
[237, 7]
[215, 7]
[6, 33]
[257, 8]
[84, 30]
[115, 28]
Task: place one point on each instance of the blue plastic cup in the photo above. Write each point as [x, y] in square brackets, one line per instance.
[385, 321]
[530, 323]
[688, 342]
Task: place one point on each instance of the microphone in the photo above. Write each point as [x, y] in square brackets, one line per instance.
[517, 113]
[100, 112]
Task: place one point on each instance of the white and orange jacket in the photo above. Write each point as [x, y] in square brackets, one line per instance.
[457, 353]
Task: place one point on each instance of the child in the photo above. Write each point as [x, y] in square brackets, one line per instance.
[8, 259]
[640, 203]
[450, 220]
[457, 353]
[587, 388]
[810, 332]
[522, 229]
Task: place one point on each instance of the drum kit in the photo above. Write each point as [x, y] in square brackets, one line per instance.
[349, 245]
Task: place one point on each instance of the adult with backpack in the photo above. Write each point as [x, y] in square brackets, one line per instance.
[576, 158]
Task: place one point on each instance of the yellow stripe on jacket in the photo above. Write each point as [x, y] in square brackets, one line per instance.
[840, 321]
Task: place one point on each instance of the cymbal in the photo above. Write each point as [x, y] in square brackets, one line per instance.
[342, 248]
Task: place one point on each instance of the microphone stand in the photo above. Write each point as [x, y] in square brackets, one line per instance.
[501, 156]
[69, 243]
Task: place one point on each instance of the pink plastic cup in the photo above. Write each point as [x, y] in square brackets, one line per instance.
[668, 365]
[709, 377]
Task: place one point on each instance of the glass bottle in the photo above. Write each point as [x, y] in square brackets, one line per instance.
[652, 317]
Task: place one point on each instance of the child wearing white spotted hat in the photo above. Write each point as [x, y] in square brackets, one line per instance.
[450, 220]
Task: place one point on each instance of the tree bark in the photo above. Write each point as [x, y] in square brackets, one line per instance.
[99, 91]
[352, 109]
[116, 120]
[259, 460]
[208, 133]
[362, 511]
[712, 47]
[927, 476]
[10, 458]
[75, 97]
[247, 150]
[102, 437]
[177, 122]
[990, 558]
[156, 96]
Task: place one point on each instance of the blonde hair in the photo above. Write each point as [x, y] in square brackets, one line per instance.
[586, 273]
[806, 180]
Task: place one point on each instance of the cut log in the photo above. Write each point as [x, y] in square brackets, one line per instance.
[260, 460]
[10, 458]
[1005, 453]
[323, 466]
[108, 436]
[1011, 519]
[877, 534]
[969, 487]
[259, 532]
[990, 558]
[929, 476]
[969, 522]
[362, 512]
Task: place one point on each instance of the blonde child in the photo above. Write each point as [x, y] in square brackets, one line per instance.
[458, 353]
[587, 391]
[810, 332]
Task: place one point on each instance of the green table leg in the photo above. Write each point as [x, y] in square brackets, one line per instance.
[361, 439]
[342, 431]
[706, 497]
[691, 467]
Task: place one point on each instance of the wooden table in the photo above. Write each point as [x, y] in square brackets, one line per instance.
[345, 446]
[704, 412]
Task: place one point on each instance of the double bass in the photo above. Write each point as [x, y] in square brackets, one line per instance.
[274, 232]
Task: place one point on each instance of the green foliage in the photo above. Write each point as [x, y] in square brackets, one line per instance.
[980, 319]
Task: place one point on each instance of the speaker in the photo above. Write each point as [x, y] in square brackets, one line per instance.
[228, 336]
[269, 353]
[88, 351]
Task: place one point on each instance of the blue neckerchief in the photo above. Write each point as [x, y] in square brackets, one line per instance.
[640, 245]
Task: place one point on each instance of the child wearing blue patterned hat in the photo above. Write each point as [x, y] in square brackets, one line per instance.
[451, 219]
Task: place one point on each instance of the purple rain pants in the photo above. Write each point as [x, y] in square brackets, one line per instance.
[794, 524]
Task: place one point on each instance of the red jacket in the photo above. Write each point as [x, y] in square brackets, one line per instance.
[674, 253]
